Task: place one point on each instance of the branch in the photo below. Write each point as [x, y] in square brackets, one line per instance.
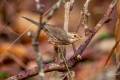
[35, 42]
[50, 12]
[25, 74]
[68, 7]
[34, 71]
[66, 16]
[74, 59]
[86, 15]
[112, 51]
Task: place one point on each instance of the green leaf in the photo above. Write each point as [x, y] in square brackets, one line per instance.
[104, 36]
[4, 75]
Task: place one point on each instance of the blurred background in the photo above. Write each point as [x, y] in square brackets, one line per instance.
[17, 54]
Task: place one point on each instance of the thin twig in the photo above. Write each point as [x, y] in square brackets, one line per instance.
[35, 42]
[66, 16]
[86, 15]
[112, 51]
[50, 12]
[68, 8]
[65, 61]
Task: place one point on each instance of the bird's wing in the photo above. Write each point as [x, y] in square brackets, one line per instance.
[58, 33]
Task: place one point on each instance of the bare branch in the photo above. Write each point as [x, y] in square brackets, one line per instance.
[66, 16]
[86, 15]
[35, 42]
[68, 7]
[52, 10]
[99, 25]
[24, 74]
[112, 51]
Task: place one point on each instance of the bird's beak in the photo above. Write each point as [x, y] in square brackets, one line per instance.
[80, 37]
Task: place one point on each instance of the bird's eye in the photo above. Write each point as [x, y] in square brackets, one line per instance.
[75, 35]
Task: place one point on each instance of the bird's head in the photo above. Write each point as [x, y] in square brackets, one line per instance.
[73, 37]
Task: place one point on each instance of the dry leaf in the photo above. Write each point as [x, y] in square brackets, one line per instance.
[18, 51]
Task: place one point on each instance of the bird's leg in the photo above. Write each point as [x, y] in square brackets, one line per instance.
[62, 55]
[61, 51]
[57, 49]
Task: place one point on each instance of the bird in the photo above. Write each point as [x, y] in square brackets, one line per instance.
[59, 38]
